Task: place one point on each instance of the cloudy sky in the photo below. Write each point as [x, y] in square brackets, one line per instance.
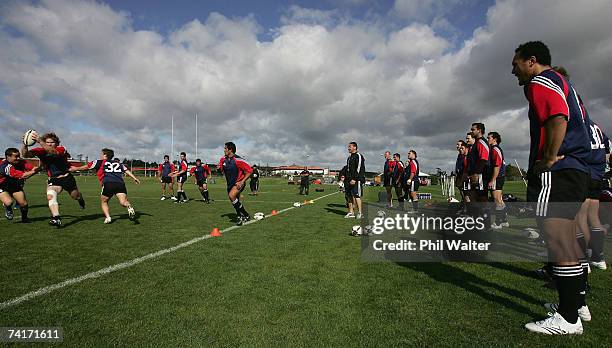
[287, 79]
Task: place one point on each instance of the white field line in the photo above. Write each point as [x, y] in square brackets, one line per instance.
[48, 289]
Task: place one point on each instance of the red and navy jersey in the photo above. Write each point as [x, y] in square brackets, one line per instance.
[56, 164]
[108, 171]
[397, 170]
[599, 149]
[549, 94]
[388, 167]
[201, 172]
[165, 169]
[496, 159]
[183, 167]
[412, 168]
[13, 173]
[234, 168]
[479, 151]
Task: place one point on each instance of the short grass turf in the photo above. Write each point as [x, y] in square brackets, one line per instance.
[293, 279]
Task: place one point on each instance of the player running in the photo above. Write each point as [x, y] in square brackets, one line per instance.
[200, 174]
[13, 173]
[110, 174]
[236, 171]
[164, 171]
[55, 159]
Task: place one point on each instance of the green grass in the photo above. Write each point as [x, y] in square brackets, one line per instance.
[293, 279]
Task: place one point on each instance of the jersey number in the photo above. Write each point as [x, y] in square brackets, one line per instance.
[112, 167]
[596, 138]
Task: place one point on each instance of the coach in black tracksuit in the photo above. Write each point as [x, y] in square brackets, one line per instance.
[355, 179]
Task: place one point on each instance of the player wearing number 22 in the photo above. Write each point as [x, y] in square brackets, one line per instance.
[110, 174]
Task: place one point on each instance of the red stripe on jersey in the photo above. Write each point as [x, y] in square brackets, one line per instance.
[546, 102]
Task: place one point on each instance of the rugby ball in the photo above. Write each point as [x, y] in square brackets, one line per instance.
[356, 231]
[531, 233]
[28, 140]
[297, 204]
[381, 213]
[258, 216]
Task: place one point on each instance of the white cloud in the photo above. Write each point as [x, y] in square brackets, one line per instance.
[79, 68]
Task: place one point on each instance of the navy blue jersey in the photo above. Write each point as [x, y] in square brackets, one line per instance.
[549, 94]
[597, 157]
[255, 175]
[201, 172]
[234, 168]
[12, 174]
[165, 169]
[108, 171]
[459, 164]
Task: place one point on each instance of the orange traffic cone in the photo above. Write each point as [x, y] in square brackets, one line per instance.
[274, 212]
[215, 233]
[306, 201]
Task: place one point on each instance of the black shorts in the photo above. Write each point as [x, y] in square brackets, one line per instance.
[67, 182]
[387, 181]
[166, 180]
[11, 187]
[499, 183]
[181, 179]
[414, 185]
[355, 190]
[557, 194]
[201, 183]
[112, 188]
[595, 187]
[254, 185]
[229, 188]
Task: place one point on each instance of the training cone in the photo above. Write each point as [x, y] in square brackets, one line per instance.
[215, 233]
[274, 212]
[310, 202]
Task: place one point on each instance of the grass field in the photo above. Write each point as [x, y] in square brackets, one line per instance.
[291, 279]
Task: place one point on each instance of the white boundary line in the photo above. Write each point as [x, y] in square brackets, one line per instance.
[48, 289]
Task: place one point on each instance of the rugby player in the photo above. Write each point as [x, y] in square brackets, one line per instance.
[13, 173]
[558, 178]
[200, 174]
[110, 174]
[55, 158]
[236, 171]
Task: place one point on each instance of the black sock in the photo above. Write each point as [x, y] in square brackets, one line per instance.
[243, 211]
[178, 195]
[184, 195]
[24, 212]
[568, 279]
[238, 207]
[9, 207]
[597, 244]
[415, 205]
[203, 194]
[206, 197]
[584, 282]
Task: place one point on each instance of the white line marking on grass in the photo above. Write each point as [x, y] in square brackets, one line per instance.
[123, 265]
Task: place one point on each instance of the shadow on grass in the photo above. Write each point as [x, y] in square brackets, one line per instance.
[232, 216]
[446, 273]
[335, 211]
